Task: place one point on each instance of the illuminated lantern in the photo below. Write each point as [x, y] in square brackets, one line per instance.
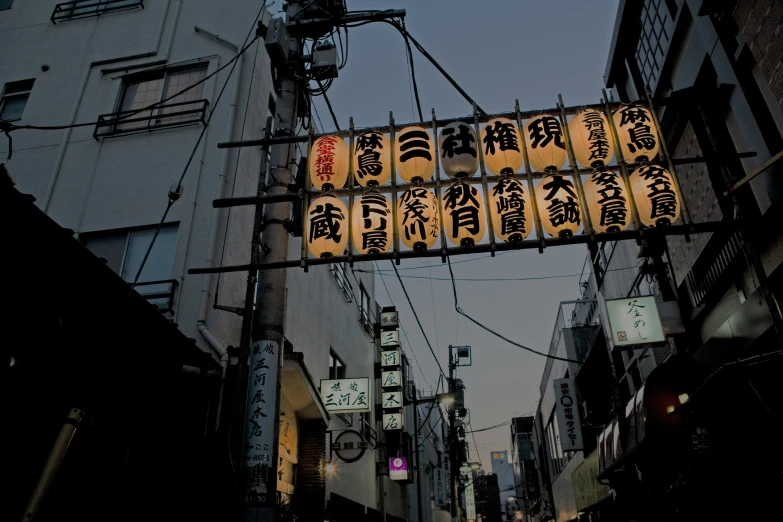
[329, 163]
[607, 201]
[327, 226]
[418, 221]
[458, 150]
[510, 212]
[636, 133]
[558, 206]
[372, 223]
[591, 137]
[463, 214]
[415, 154]
[545, 143]
[655, 196]
[372, 159]
[502, 146]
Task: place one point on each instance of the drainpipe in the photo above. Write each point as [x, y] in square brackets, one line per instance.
[47, 199]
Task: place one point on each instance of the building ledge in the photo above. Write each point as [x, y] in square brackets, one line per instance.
[300, 389]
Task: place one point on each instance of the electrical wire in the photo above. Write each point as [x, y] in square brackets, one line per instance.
[415, 315]
[493, 332]
[489, 279]
[329, 105]
[496, 426]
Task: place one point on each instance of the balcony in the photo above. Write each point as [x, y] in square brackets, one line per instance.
[161, 117]
[86, 8]
[160, 294]
[714, 269]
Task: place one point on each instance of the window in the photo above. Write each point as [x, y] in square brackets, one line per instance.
[365, 311]
[14, 100]
[152, 87]
[123, 252]
[336, 366]
[77, 9]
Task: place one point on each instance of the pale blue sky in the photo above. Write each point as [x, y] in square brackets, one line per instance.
[497, 51]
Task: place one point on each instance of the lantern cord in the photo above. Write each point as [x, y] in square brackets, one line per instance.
[493, 332]
[405, 291]
[329, 104]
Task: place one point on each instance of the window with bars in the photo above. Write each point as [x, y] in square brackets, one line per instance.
[336, 366]
[14, 99]
[654, 36]
[366, 316]
[78, 9]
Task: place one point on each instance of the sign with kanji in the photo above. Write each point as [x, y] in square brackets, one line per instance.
[567, 411]
[635, 321]
[392, 421]
[440, 485]
[346, 395]
[398, 468]
[390, 358]
[391, 400]
[390, 338]
[392, 379]
[389, 319]
[349, 446]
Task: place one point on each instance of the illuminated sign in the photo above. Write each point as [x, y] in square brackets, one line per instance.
[635, 321]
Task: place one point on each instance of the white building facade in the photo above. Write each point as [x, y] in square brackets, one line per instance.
[108, 180]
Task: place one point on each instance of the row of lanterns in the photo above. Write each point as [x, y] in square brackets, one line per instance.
[418, 212]
[499, 143]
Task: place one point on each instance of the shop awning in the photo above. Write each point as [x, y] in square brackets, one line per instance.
[301, 391]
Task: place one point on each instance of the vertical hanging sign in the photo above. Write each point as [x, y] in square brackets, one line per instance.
[470, 498]
[260, 423]
[568, 415]
[440, 485]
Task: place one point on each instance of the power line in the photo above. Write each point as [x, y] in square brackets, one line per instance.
[405, 291]
[489, 279]
[496, 426]
[493, 332]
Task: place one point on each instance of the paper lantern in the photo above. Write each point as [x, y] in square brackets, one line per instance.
[327, 226]
[636, 133]
[372, 224]
[463, 214]
[591, 138]
[329, 163]
[415, 154]
[607, 202]
[655, 196]
[558, 206]
[545, 143]
[510, 210]
[372, 159]
[502, 146]
[418, 221]
[458, 150]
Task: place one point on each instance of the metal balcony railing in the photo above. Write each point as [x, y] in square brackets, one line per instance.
[714, 266]
[338, 272]
[161, 117]
[159, 293]
[87, 8]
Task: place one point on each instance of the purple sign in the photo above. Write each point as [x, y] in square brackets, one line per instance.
[398, 468]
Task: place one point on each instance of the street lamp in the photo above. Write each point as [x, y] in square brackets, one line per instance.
[475, 465]
[331, 468]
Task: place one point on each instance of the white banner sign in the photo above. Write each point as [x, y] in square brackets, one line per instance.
[390, 338]
[389, 319]
[635, 321]
[260, 423]
[470, 498]
[567, 411]
[440, 485]
[391, 400]
[346, 395]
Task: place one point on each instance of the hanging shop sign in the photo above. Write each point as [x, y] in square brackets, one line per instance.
[398, 468]
[347, 395]
[635, 321]
[391, 379]
[392, 421]
[458, 150]
[567, 411]
[391, 358]
[470, 496]
[390, 338]
[440, 485]
[389, 319]
[391, 400]
[349, 446]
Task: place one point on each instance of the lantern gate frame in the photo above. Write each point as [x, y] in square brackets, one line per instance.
[588, 236]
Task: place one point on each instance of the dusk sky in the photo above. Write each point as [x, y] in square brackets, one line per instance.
[497, 51]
